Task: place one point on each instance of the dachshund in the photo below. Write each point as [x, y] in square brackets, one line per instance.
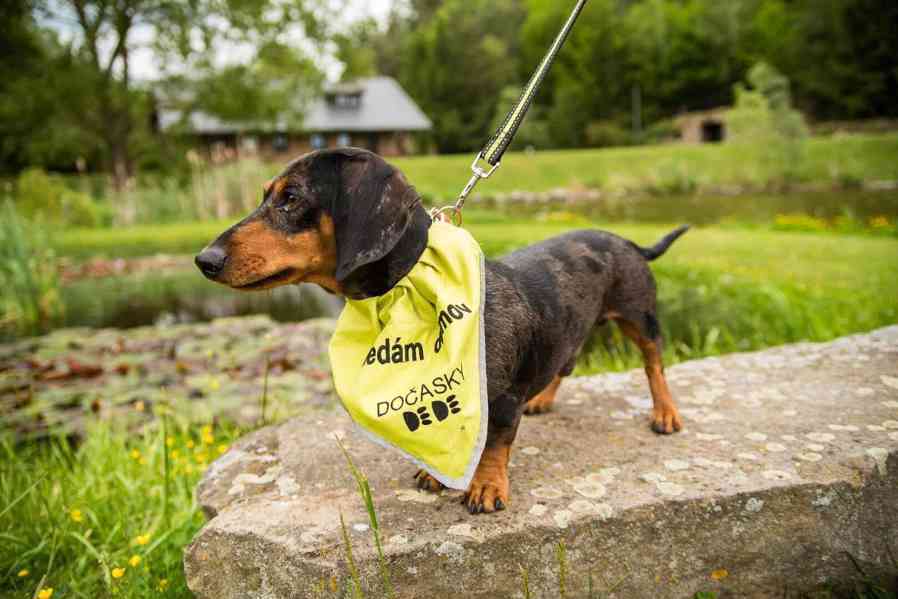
[346, 220]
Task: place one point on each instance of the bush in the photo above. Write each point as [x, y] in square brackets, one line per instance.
[661, 132]
[40, 196]
[600, 134]
[763, 115]
[29, 296]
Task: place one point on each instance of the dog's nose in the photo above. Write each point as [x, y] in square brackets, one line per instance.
[211, 261]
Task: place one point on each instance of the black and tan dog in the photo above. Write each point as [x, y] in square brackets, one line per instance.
[349, 222]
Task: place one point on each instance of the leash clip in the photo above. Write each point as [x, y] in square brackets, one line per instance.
[452, 214]
[479, 174]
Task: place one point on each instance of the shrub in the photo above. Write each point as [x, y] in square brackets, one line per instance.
[40, 196]
[29, 295]
[663, 131]
[763, 115]
[607, 134]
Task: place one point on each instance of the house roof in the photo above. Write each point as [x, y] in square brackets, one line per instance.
[383, 106]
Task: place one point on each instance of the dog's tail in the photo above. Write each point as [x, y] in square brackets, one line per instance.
[657, 250]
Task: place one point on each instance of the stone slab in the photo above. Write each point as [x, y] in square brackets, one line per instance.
[785, 475]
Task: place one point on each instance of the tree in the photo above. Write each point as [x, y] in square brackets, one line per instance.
[456, 64]
[185, 37]
[356, 49]
[35, 72]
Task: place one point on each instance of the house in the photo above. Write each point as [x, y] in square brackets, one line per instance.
[373, 113]
[706, 126]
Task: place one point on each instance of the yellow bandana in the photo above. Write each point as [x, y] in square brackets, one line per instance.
[409, 366]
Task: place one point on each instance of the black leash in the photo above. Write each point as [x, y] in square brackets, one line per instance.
[495, 148]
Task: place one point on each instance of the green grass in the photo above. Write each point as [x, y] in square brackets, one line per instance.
[824, 160]
[74, 517]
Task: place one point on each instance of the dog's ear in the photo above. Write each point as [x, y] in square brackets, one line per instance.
[379, 223]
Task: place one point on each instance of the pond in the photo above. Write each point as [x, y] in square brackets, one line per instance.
[181, 295]
[184, 296]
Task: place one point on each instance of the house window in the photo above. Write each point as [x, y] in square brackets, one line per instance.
[343, 140]
[318, 142]
[347, 100]
[280, 143]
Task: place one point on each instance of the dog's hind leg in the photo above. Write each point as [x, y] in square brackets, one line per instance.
[544, 400]
[645, 334]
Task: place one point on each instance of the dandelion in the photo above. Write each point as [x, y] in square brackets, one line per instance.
[201, 457]
[169, 441]
[190, 444]
[222, 448]
[118, 572]
[76, 516]
[23, 573]
[163, 584]
[208, 439]
[175, 454]
[135, 454]
[206, 430]
[142, 539]
[134, 561]
[45, 593]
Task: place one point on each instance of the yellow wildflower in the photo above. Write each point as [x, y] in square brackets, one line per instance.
[45, 593]
[76, 516]
[207, 429]
[208, 439]
[163, 584]
[134, 561]
[214, 385]
[169, 441]
[879, 222]
[719, 574]
[118, 572]
[142, 539]
[201, 457]
[190, 444]
[140, 406]
[142, 461]
[23, 573]
[135, 454]
[188, 468]
[175, 454]
[222, 448]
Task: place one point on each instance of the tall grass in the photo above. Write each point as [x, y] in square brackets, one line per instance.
[29, 283]
[106, 516]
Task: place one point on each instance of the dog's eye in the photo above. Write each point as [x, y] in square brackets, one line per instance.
[289, 204]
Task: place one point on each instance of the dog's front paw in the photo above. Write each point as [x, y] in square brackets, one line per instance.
[666, 419]
[489, 489]
[427, 482]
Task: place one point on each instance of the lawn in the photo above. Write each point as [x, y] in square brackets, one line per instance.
[664, 167]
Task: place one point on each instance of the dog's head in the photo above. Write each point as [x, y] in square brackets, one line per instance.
[344, 219]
